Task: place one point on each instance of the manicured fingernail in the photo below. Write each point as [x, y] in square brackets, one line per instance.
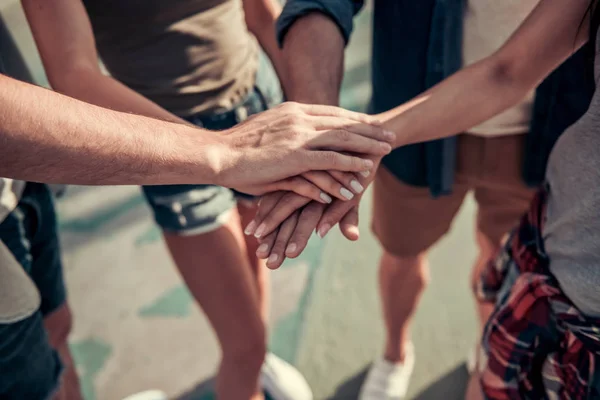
[262, 249]
[346, 193]
[261, 229]
[368, 164]
[272, 259]
[358, 188]
[386, 147]
[389, 135]
[326, 198]
[323, 230]
[250, 228]
[366, 173]
[291, 248]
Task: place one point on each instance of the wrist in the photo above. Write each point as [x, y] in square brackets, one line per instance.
[200, 156]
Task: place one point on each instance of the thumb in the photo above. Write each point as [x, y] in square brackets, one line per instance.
[349, 224]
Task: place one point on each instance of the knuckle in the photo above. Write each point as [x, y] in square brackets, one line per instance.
[331, 157]
[291, 106]
[343, 135]
[294, 121]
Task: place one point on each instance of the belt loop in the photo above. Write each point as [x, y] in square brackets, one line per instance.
[241, 113]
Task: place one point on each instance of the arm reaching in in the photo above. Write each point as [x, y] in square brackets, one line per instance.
[52, 138]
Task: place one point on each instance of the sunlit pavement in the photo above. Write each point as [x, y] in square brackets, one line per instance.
[138, 328]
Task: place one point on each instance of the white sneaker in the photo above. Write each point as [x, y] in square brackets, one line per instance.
[148, 395]
[388, 381]
[281, 381]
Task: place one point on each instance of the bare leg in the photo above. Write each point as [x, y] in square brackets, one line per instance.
[259, 269]
[217, 271]
[402, 281]
[487, 250]
[58, 325]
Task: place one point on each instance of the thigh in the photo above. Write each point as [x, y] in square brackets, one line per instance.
[406, 219]
[500, 192]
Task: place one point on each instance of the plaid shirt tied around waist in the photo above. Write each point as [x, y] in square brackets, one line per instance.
[538, 344]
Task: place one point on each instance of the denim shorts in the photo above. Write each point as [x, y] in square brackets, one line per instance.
[196, 209]
[29, 367]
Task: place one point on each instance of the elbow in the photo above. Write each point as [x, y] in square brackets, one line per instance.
[510, 73]
[68, 80]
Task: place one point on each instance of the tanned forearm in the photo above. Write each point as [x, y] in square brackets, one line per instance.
[313, 51]
[47, 137]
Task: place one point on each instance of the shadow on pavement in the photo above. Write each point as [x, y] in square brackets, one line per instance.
[451, 386]
[349, 390]
[203, 391]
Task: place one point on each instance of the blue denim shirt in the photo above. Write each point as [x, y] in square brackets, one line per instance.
[416, 44]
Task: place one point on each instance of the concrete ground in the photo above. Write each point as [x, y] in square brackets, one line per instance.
[137, 326]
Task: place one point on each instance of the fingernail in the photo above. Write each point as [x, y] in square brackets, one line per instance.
[323, 230]
[272, 259]
[250, 228]
[386, 147]
[368, 164]
[389, 135]
[261, 229]
[291, 248]
[358, 188]
[326, 198]
[346, 193]
[262, 249]
[365, 173]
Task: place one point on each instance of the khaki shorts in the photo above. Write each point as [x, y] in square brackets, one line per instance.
[408, 221]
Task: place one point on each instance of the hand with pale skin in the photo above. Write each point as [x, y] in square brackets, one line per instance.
[285, 222]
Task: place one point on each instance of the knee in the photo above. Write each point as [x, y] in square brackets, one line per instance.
[58, 325]
[413, 268]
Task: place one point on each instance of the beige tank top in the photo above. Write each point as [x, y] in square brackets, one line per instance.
[487, 25]
[189, 56]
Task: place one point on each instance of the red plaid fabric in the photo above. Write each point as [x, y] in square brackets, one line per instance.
[538, 344]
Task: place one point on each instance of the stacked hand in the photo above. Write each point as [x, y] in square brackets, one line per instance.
[285, 222]
[303, 149]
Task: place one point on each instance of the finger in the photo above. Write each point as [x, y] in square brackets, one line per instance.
[306, 188]
[329, 184]
[331, 160]
[333, 214]
[333, 111]
[265, 205]
[306, 225]
[368, 130]
[348, 180]
[349, 224]
[286, 230]
[289, 203]
[348, 141]
[266, 244]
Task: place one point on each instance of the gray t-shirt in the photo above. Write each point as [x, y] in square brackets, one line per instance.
[572, 227]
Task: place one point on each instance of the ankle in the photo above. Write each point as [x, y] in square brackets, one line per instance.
[396, 354]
